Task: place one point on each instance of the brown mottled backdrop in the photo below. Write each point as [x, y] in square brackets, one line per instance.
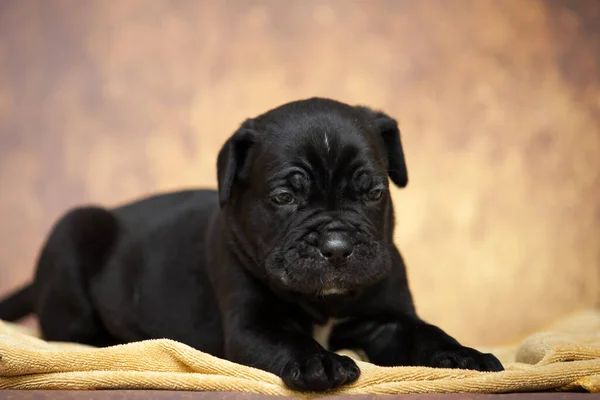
[499, 103]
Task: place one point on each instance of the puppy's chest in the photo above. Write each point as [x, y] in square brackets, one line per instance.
[322, 333]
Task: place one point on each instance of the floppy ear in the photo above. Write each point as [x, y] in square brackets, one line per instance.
[232, 163]
[388, 128]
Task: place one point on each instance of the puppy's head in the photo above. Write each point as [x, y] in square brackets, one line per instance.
[304, 190]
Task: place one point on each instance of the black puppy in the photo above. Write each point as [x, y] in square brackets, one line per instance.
[292, 258]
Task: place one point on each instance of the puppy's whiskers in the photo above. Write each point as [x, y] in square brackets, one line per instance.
[266, 257]
[380, 161]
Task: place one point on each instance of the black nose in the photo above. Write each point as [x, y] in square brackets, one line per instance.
[335, 246]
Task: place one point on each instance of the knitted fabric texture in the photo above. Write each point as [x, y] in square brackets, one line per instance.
[564, 358]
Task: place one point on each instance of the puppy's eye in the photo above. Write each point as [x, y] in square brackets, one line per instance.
[283, 199]
[375, 195]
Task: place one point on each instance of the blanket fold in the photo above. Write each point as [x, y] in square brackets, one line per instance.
[560, 359]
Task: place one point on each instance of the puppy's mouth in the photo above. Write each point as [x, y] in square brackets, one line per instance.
[301, 270]
[333, 291]
[322, 287]
[329, 293]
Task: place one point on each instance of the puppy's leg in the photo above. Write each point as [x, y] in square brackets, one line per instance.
[74, 253]
[275, 341]
[407, 340]
[391, 333]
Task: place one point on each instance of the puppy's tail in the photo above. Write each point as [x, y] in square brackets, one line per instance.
[17, 305]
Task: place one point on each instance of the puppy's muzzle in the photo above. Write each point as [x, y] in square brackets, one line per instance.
[335, 246]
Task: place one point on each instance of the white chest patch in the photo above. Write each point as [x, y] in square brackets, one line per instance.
[322, 333]
[327, 143]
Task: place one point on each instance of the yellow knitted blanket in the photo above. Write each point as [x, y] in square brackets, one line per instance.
[567, 357]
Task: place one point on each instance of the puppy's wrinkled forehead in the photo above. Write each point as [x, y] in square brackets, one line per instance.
[315, 135]
[323, 137]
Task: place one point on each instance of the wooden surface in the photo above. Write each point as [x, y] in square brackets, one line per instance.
[499, 104]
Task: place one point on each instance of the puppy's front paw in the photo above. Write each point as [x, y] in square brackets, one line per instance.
[465, 358]
[319, 372]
